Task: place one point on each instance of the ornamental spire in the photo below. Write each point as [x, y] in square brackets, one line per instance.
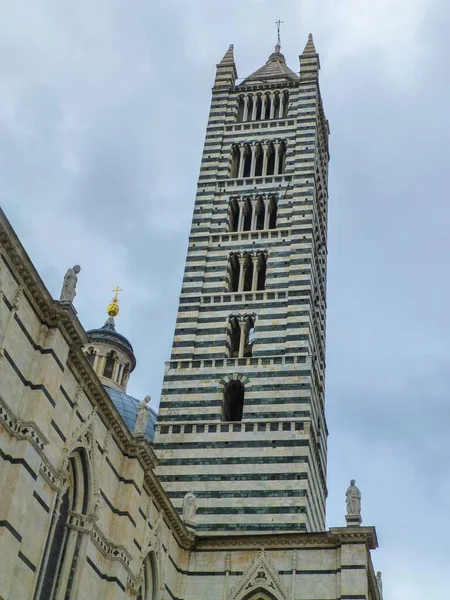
[310, 48]
[278, 46]
[113, 306]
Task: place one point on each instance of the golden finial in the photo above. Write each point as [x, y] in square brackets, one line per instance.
[113, 306]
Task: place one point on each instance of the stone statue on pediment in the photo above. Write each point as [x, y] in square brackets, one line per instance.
[189, 507]
[380, 584]
[353, 499]
[140, 425]
[68, 291]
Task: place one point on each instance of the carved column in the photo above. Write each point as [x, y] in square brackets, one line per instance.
[242, 149]
[272, 105]
[277, 158]
[281, 111]
[266, 212]
[245, 115]
[265, 158]
[253, 163]
[115, 369]
[254, 213]
[255, 105]
[241, 215]
[242, 325]
[255, 272]
[263, 106]
[242, 269]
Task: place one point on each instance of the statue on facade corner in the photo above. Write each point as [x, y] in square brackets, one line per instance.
[380, 584]
[353, 499]
[68, 291]
[140, 425]
[189, 507]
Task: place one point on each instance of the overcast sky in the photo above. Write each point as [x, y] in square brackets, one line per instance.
[102, 119]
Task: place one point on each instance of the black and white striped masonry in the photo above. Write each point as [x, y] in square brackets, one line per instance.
[241, 419]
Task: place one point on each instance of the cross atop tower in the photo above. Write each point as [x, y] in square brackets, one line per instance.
[278, 24]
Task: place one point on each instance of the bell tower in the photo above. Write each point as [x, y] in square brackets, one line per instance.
[241, 419]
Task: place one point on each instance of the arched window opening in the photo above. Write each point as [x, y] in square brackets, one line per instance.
[258, 107]
[251, 107]
[249, 332]
[147, 591]
[276, 113]
[262, 270]
[248, 273]
[234, 334]
[282, 158]
[273, 213]
[233, 401]
[235, 157]
[59, 567]
[109, 365]
[233, 219]
[286, 103]
[240, 109]
[259, 161]
[270, 160]
[247, 224]
[241, 335]
[247, 161]
[233, 273]
[260, 214]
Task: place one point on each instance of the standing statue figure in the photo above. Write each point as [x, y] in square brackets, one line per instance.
[380, 584]
[140, 425]
[189, 507]
[353, 496]
[68, 291]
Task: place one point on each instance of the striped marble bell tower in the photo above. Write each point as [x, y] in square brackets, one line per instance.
[241, 419]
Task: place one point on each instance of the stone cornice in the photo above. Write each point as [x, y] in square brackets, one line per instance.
[328, 539]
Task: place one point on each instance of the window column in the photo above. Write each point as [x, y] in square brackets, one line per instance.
[272, 105]
[242, 325]
[276, 169]
[245, 115]
[266, 212]
[265, 158]
[255, 272]
[254, 213]
[255, 106]
[281, 111]
[242, 270]
[253, 148]
[263, 106]
[242, 149]
[241, 214]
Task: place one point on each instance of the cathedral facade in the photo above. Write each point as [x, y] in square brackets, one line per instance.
[222, 494]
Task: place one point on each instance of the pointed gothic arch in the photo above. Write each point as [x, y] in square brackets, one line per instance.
[148, 589]
[64, 544]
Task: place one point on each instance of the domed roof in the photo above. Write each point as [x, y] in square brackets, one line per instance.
[108, 335]
[127, 407]
[274, 71]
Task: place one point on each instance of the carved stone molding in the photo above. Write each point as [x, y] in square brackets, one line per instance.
[260, 575]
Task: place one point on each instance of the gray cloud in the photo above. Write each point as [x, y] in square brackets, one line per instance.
[101, 128]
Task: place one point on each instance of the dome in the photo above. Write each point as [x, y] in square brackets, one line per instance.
[127, 407]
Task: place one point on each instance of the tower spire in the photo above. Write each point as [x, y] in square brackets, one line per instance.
[309, 61]
[226, 74]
